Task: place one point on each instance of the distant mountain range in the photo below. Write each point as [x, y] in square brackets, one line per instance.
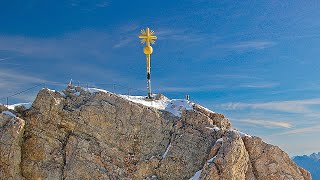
[310, 163]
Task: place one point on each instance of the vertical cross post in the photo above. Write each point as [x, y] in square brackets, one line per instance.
[148, 76]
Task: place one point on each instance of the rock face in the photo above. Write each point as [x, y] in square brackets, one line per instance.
[83, 135]
[11, 132]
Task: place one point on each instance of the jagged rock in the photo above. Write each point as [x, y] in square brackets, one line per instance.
[231, 161]
[79, 134]
[11, 132]
[270, 162]
[188, 150]
[3, 108]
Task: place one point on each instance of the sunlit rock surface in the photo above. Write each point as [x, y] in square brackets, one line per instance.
[93, 134]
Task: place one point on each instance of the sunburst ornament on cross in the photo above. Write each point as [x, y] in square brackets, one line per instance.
[147, 36]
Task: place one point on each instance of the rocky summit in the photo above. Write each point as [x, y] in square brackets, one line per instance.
[93, 134]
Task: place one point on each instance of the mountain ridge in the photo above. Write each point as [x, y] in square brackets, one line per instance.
[311, 163]
[79, 133]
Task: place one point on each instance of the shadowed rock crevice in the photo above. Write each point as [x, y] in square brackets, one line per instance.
[63, 152]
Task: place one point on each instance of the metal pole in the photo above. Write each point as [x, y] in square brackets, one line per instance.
[148, 76]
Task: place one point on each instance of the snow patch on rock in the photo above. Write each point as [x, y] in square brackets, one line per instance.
[196, 175]
[8, 113]
[77, 93]
[174, 106]
[167, 150]
[26, 105]
[242, 134]
[215, 129]
[211, 160]
[95, 90]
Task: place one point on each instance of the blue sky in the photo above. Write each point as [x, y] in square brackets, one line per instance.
[256, 62]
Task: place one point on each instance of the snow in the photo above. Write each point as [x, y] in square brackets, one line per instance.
[77, 93]
[174, 106]
[242, 134]
[62, 94]
[95, 90]
[196, 175]
[216, 129]
[26, 105]
[211, 160]
[8, 113]
[206, 109]
[167, 150]
[49, 89]
[220, 139]
[54, 91]
[158, 104]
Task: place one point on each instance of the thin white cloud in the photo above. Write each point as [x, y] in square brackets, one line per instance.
[268, 123]
[123, 43]
[259, 85]
[102, 4]
[182, 35]
[294, 106]
[69, 46]
[253, 44]
[215, 87]
[89, 5]
[247, 45]
[12, 82]
[306, 130]
[4, 59]
[231, 76]
[191, 89]
[73, 45]
[9, 78]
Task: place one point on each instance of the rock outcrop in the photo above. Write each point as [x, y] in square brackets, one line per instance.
[80, 134]
[11, 133]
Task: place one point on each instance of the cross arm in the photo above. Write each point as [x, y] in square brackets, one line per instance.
[143, 37]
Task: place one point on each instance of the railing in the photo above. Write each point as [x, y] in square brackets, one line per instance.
[30, 93]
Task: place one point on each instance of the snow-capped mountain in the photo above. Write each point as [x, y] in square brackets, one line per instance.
[311, 163]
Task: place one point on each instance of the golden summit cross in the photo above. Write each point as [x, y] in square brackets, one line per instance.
[148, 37]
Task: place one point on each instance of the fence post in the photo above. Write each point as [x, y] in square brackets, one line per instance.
[7, 102]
